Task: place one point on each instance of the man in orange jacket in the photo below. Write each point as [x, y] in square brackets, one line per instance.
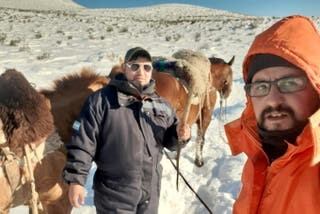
[279, 130]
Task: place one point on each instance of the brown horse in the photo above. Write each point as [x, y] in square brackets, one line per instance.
[68, 95]
[175, 92]
[31, 162]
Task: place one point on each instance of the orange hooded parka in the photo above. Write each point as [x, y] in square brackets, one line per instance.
[291, 184]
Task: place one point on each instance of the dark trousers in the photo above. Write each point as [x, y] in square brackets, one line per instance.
[102, 207]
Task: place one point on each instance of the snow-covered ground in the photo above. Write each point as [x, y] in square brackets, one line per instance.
[48, 44]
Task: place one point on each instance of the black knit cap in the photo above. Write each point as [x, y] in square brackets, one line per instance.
[262, 61]
[136, 52]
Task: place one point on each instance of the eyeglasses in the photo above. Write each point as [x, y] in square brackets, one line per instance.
[284, 85]
[135, 66]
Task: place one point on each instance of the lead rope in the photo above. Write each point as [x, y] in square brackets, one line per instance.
[221, 106]
[223, 118]
[180, 143]
[187, 183]
[35, 203]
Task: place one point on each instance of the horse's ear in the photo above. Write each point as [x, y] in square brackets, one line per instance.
[231, 61]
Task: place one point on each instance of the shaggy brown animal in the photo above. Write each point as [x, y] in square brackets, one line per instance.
[24, 112]
[27, 120]
[68, 95]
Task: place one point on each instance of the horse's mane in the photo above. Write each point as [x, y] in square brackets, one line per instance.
[215, 60]
[24, 112]
[81, 79]
[68, 95]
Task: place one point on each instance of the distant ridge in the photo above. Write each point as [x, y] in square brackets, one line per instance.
[40, 4]
[169, 11]
[197, 7]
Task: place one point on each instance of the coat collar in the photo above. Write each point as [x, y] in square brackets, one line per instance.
[129, 93]
[243, 136]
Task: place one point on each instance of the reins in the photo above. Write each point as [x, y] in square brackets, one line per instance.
[223, 107]
[186, 112]
[183, 121]
[11, 162]
[20, 170]
[187, 183]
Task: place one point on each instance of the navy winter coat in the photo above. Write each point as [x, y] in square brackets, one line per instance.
[123, 129]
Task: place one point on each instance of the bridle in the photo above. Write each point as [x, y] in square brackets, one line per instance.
[18, 171]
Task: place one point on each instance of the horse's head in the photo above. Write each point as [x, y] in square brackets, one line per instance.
[221, 72]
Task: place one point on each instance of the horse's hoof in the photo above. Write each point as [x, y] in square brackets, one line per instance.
[198, 163]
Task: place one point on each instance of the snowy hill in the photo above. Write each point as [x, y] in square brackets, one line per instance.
[174, 12]
[40, 4]
[46, 45]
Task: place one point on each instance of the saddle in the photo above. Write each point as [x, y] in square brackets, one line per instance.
[191, 68]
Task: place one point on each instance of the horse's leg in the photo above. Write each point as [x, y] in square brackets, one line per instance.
[53, 191]
[62, 206]
[6, 211]
[6, 197]
[199, 145]
[38, 211]
[59, 205]
[203, 124]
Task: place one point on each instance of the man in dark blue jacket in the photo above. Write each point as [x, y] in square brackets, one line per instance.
[123, 128]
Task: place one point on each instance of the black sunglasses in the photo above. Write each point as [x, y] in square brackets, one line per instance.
[135, 66]
[284, 85]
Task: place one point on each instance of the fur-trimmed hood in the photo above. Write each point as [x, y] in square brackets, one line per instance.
[299, 46]
[290, 184]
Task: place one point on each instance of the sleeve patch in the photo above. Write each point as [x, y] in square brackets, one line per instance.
[76, 125]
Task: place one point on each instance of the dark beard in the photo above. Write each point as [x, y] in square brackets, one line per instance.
[274, 142]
